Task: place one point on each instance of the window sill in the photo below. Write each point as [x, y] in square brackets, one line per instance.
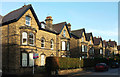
[29, 45]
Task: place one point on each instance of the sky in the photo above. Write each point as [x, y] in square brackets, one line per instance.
[100, 18]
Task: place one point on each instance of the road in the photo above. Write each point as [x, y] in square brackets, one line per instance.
[112, 72]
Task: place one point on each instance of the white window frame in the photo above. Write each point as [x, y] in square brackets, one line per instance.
[24, 36]
[101, 51]
[64, 32]
[90, 42]
[42, 26]
[83, 49]
[52, 44]
[63, 45]
[43, 43]
[24, 59]
[27, 21]
[82, 39]
[31, 39]
[31, 60]
[42, 60]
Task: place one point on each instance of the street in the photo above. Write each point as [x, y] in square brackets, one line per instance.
[112, 72]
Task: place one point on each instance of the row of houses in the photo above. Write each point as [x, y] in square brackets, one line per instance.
[23, 35]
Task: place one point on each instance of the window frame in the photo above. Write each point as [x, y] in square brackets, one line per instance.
[28, 21]
[29, 59]
[52, 44]
[101, 51]
[33, 39]
[63, 48]
[23, 34]
[68, 46]
[83, 49]
[64, 33]
[22, 59]
[42, 42]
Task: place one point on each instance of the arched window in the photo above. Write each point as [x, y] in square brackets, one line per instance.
[42, 43]
[24, 38]
[28, 20]
[52, 44]
[31, 38]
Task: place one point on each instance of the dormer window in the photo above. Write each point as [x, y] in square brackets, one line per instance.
[28, 20]
[43, 26]
[64, 33]
[90, 42]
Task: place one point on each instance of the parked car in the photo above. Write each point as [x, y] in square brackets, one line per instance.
[101, 67]
[115, 65]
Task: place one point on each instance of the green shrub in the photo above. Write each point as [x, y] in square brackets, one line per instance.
[53, 63]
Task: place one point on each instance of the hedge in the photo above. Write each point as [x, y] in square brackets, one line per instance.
[53, 63]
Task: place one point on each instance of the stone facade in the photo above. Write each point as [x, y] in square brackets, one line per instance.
[12, 47]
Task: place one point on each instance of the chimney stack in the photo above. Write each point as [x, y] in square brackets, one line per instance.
[69, 26]
[109, 39]
[49, 21]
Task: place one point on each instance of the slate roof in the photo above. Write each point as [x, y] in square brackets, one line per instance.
[78, 33]
[88, 35]
[17, 14]
[97, 41]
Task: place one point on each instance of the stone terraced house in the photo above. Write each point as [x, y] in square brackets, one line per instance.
[23, 35]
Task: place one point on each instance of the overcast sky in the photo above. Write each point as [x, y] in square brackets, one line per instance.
[100, 18]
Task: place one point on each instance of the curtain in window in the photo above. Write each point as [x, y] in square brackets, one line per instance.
[63, 45]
